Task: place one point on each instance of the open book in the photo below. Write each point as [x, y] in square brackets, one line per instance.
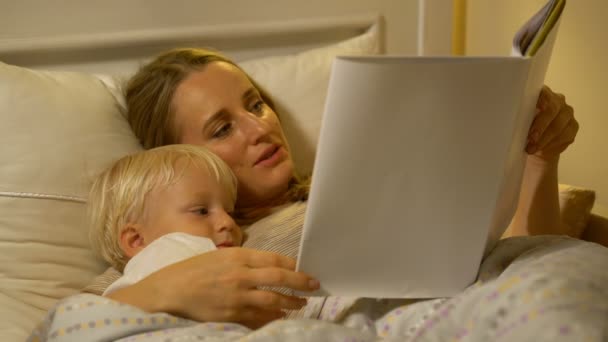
[419, 166]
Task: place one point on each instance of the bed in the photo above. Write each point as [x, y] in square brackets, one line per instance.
[61, 70]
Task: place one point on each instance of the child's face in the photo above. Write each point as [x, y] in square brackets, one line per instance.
[195, 205]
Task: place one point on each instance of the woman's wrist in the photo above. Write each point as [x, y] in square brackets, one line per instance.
[144, 296]
[538, 207]
[542, 164]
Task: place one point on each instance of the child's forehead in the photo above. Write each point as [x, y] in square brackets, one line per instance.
[183, 175]
[193, 168]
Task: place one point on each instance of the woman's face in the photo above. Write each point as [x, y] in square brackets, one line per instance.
[220, 109]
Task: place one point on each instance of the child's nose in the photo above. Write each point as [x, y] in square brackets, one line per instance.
[226, 223]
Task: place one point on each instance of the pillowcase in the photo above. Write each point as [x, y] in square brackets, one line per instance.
[575, 204]
[575, 207]
[59, 129]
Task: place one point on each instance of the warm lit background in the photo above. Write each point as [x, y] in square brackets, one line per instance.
[578, 69]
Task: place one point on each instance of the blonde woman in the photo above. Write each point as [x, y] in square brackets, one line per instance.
[196, 96]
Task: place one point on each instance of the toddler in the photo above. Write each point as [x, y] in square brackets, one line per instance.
[161, 206]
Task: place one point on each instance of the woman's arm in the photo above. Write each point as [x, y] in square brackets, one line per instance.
[221, 286]
[538, 209]
[553, 129]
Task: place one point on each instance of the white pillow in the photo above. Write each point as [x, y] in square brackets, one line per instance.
[575, 204]
[60, 129]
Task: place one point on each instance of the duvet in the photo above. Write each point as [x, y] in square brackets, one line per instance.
[528, 289]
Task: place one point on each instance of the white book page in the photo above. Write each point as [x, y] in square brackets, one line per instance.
[410, 163]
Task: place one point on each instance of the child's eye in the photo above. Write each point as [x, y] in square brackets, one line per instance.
[202, 211]
[223, 131]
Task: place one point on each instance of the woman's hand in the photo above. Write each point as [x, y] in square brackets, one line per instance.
[553, 128]
[222, 286]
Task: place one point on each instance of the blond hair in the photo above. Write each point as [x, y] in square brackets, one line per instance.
[118, 195]
[149, 94]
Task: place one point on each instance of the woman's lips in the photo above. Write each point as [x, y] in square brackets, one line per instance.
[271, 156]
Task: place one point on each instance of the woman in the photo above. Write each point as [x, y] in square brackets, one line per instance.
[200, 97]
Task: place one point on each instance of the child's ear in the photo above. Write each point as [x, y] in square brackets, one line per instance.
[131, 239]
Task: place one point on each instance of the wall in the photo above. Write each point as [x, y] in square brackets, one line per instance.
[578, 69]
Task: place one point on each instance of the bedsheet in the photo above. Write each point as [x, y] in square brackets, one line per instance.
[528, 289]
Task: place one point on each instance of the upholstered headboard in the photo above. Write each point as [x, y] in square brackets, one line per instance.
[112, 36]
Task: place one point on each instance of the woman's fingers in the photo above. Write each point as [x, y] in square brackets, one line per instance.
[557, 146]
[549, 105]
[274, 276]
[257, 259]
[247, 268]
[261, 268]
[555, 131]
[554, 127]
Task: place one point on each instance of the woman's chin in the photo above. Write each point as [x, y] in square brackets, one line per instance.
[264, 185]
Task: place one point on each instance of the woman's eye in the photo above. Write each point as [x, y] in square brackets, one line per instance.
[223, 130]
[258, 106]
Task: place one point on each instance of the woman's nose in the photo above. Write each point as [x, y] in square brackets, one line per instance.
[255, 127]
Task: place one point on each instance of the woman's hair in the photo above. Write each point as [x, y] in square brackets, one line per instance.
[149, 95]
[118, 195]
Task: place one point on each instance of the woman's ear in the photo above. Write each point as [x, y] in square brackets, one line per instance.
[131, 239]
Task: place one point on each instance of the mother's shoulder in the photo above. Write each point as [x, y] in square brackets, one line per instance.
[279, 232]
